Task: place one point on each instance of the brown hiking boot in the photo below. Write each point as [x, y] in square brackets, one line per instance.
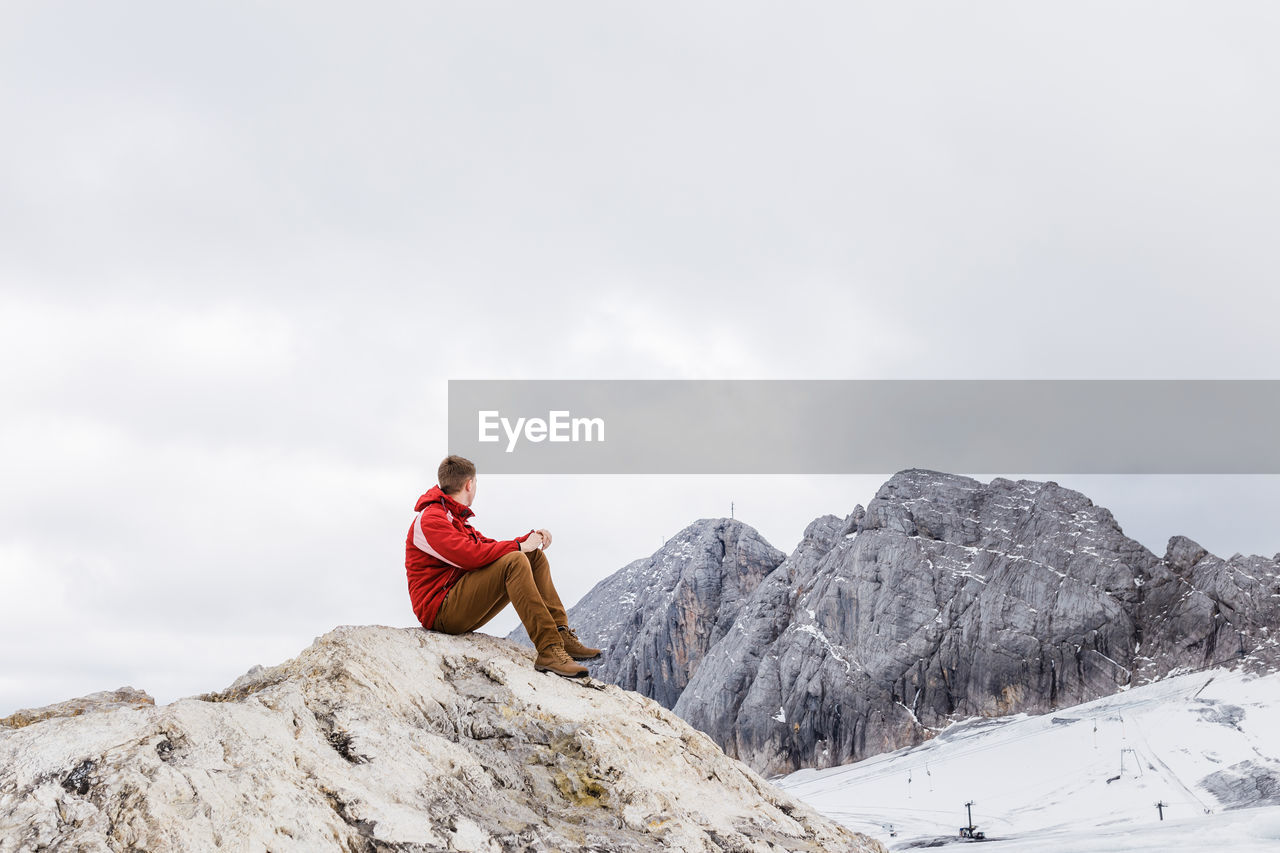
[574, 646]
[556, 659]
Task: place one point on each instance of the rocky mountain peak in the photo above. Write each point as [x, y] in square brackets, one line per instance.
[825, 531]
[955, 598]
[1182, 553]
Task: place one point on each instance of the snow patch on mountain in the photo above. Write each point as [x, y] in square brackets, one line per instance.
[1086, 778]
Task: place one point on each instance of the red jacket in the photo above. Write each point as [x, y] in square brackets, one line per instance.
[442, 545]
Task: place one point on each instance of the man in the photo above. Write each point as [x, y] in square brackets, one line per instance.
[459, 579]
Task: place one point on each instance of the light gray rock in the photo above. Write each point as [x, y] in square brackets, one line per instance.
[656, 618]
[380, 739]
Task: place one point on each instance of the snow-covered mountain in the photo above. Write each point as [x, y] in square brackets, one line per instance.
[1086, 778]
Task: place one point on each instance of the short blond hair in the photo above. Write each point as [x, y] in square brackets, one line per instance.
[453, 474]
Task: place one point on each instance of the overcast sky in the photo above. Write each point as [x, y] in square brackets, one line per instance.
[244, 246]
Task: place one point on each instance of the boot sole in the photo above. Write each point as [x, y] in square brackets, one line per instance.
[588, 657]
[562, 674]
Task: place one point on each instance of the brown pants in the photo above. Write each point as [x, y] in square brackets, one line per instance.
[523, 580]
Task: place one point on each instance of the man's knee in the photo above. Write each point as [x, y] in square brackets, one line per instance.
[516, 561]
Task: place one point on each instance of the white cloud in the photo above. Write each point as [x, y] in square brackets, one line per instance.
[76, 349]
[242, 250]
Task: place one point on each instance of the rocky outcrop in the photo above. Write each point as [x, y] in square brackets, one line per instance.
[106, 700]
[948, 598]
[1244, 785]
[1199, 609]
[655, 619]
[380, 739]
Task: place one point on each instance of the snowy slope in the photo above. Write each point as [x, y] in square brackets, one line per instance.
[1087, 778]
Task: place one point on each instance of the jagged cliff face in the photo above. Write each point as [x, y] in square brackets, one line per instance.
[381, 739]
[949, 598]
[945, 599]
[655, 619]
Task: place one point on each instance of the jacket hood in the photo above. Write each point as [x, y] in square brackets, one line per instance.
[436, 494]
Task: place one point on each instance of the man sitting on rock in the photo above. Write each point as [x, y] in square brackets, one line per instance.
[459, 579]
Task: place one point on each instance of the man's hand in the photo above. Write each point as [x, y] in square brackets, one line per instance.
[533, 543]
[546, 539]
